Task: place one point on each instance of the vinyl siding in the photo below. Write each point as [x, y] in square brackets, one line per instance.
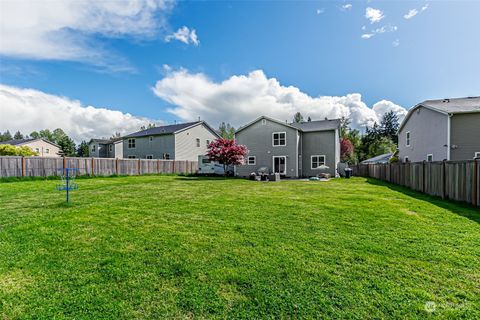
[319, 143]
[428, 135]
[258, 139]
[157, 147]
[42, 148]
[465, 135]
[186, 144]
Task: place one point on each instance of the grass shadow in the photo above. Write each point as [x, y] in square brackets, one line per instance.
[461, 208]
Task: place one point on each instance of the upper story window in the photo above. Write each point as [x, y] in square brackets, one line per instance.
[198, 142]
[94, 147]
[317, 161]
[430, 157]
[131, 143]
[264, 121]
[47, 150]
[207, 142]
[279, 139]
[251, 160]
[407, 139]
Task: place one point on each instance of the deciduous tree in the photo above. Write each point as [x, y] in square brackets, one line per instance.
[227, 152]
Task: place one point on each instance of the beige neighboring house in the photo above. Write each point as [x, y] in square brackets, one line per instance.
[43, 147]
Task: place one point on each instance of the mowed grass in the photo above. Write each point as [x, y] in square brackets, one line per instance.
[185, 247]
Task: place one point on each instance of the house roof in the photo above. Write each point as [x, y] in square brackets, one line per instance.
[17, 142]
[169, 129]
[447, 106]
[105, 141]
[320, 125]
[383, 158]
[311, 126]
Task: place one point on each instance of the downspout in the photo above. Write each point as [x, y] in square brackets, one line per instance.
[448, 136]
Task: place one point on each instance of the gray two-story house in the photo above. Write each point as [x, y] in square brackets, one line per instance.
[291, 149]
[437, 130]
[184, 141]
[106, 148]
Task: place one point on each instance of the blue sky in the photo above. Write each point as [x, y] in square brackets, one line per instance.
[316, 47]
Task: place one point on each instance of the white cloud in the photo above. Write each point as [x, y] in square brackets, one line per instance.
[320, 11]
[240, 99]
[347, 6]
[374, 15]
[396, 43]
[367, 35]
[384, 106]
[66, 30]
[28, 110]
[185, 35]
[411, 13]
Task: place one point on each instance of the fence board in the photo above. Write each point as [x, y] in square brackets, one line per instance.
[456, 180]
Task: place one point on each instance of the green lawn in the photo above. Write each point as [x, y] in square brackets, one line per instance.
[180, 247]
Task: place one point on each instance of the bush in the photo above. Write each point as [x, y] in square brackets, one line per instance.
[9, 150]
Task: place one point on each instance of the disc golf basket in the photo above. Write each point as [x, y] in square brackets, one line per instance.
[68, 181]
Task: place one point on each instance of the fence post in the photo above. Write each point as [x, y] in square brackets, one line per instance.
[173, 166]
[138, 167]
[158, 166]
[423, 176]
[64, 164]
[93, 167]
[475, 182]
[116, 166]
[444, 183]
[23, 166]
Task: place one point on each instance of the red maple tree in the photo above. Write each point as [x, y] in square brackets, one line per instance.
[346, 149]
[227, 152]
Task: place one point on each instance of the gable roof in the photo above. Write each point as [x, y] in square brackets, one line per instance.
[447, 106]
[311, 126]
[383, 158]
[105, 141]
[169, 129]
[17, 142]
[319, 125]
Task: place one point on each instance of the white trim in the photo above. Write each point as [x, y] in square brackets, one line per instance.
[280, 145]
[408, 139]
[273, 164]
[430, 155]
[267, 118]
[318, 156]
[254, 160]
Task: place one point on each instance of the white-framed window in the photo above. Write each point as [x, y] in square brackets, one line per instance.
[110, 147]
[207, 142]
[430, 157]
[251, 160]
[131, 143]
[131, 157]
[198, 142]
[94, 147]
[149, 156]
[317, 161]
[47, 150]
[407, 139]
[37, 150]
[264, 122]
[166, 156]
[279, 139]
[405, 159]
[280, 164]
[150, 139]
[476, 155]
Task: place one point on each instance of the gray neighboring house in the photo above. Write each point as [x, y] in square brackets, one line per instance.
[106, 148]
[293, 150]
[185, 141]
[436, 130]
[383, 158]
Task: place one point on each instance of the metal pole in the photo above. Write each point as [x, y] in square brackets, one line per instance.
[68, 187]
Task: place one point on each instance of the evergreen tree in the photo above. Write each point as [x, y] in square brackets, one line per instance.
[389, 126]
[34, 135]
[18, 135]
[297, 118]
[83, 149]
[226, 131]
[47, 134]
[6, 136]
[57, 135]
[344, 127]
[67, 145]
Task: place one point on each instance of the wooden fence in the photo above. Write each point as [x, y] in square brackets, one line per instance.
[456, 180]
[44, 167]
